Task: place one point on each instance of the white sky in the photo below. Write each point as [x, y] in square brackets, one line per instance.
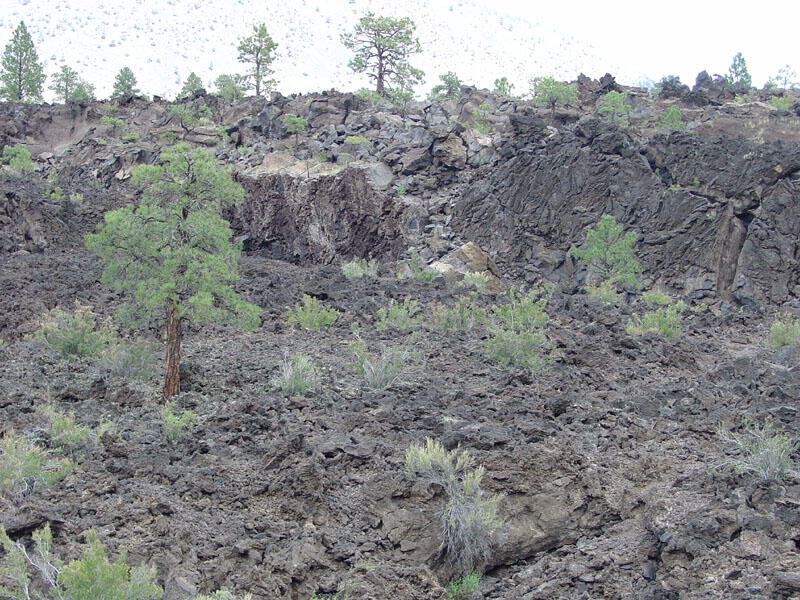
[164, 40]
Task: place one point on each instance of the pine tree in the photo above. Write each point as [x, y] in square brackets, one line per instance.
[258, 49]
[172, 255]
[22, 75]
[383, 46]
[68, 86]
[449, 89]
[192, 85]
[232, 87]
[738, 75]
[124, 84]
[549, 91]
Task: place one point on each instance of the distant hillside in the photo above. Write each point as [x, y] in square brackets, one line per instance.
[164, 41]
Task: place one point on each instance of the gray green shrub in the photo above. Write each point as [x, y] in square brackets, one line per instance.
[379, 371]
[762, 451]
[782, 102]
[360, 267]
[464, 314]
[470, 521]
[25, 467]
[418, 270]
[134, 360]
[297, 375]
[605, 291]
[664, 321]
[672, 119]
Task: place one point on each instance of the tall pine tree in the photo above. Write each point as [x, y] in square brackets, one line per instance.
[22, 75]
[172, 255]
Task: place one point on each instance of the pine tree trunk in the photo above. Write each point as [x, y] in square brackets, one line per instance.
[172, 378]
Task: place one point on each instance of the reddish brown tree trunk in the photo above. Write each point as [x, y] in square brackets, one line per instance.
[172, 378]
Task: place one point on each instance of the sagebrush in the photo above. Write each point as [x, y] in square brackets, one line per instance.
[470, 521]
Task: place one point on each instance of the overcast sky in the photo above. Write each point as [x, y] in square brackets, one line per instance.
[164, 40]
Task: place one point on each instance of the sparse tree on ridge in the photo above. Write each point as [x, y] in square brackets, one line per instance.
[232, 87]
[449, 89]
[258, 50]
[502, 87]
[172, 255]
[551, 92]
[124, 84]
[382, 47]
[22, 74]
[68, 86]
[738, 75]
[192, 85]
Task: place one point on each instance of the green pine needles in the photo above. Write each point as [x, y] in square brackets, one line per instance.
[172, 256]
[609, 252]
[21, 73]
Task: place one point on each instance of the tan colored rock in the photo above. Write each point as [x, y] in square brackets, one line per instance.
[470, 258]
[451, 152]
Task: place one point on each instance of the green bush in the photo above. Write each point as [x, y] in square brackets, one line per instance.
[52, 189]
[763, 452]
[381, 371]
[784, 333]
[92, 577]
[370, 95]
[656, 298]
[609, 253]
[550, 92]
[113, 123]
[359, 267]
[782, 102]
[614, 107]
[400, 189]
[664, 321]
[518, 336]
[470, 522]
[481, 118]
[605, 292]
[297, 376]
[355, 140]
[465, 587]
[464, 314]
[131, 137]
[75, 334]
[401, 315]
[18, 158]
[418, 271]
[502, 87]
[672, 119]
[175, 425]
[449, 89]
[24, 466]
[312, 315]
